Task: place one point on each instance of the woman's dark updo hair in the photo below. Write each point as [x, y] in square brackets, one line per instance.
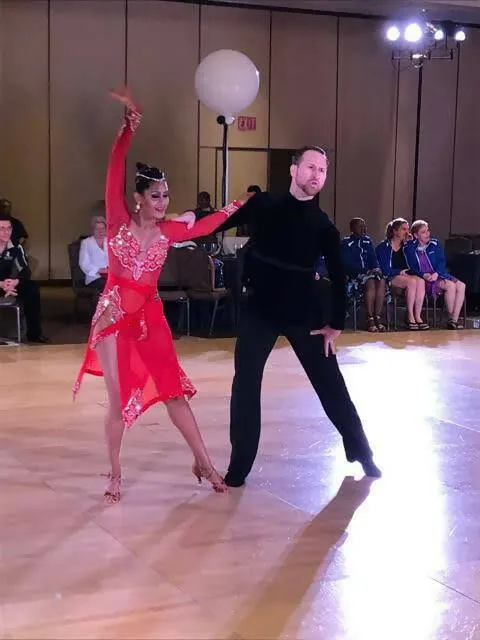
[146, 176]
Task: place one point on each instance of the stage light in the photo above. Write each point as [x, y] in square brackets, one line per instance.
[393, 33]
[419, 40]
[413, 32]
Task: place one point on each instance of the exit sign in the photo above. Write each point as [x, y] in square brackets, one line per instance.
[247, 123]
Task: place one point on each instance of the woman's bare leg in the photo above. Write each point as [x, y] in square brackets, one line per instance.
[419, 298]
[182, 417]
[449, 294]
[379, 296]
[410, 286]
[459, 299]
[454, 293]
[114, 424]
[370, 297]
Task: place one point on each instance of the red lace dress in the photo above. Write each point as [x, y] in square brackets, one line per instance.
[129, 308]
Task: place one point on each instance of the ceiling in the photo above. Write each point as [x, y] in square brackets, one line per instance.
[466, 11]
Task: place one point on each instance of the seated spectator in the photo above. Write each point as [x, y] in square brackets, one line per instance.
[321, 271]
[394, 265]
[19, 233]
[363, 271]
[426, 257]
[93, 259]
[204, 205]
[243, 230]
[15, 280]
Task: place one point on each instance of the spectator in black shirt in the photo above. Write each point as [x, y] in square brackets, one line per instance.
[204, 205]
[19, 233]
[289, 232]
[243, 230]
[15, 280]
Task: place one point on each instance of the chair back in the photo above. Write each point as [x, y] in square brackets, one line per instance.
[196, 270]
[77, 275]
[168, 278]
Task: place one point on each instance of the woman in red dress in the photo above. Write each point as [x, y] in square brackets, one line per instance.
[130, 342]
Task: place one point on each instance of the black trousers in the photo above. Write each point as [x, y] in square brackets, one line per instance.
[256, 339]
[28, 294]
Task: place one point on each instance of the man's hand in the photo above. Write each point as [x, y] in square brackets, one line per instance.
[187, 217]
[329, 337]
[9, 286]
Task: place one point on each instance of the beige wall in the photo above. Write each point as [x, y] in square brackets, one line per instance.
[466, 187]
[24, 121]
[324, 80]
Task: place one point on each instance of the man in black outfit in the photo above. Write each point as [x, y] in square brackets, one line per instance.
[288, 234]
[16, 283]
[19, 233]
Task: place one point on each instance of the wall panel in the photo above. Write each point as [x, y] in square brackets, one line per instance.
[437, 129]
[87, 58]
[162, 57]
[24, 166]
[466, 185]
[249, 32]
[405, 142]
[366, 126]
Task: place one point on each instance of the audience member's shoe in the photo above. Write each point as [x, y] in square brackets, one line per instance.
[451, 324]
[370, 469]
[39, 340]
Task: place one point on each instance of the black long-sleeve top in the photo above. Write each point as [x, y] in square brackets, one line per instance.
[13, 263]
[287, 238]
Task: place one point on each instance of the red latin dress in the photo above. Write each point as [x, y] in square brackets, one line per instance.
[130, 308]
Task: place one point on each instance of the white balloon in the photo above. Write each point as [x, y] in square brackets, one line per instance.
[227, 82]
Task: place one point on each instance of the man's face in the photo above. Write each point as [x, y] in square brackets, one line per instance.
[360, 227]
[203, 201]
[5, 230]
[310, 174]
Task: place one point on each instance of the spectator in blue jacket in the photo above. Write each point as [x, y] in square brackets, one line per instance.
[393, 262]
[425, 256]
[363, 271]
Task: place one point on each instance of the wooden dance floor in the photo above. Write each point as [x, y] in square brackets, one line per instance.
[306, 551]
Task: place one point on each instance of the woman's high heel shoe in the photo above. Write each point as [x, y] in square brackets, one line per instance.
[212, 476]
[112, 492]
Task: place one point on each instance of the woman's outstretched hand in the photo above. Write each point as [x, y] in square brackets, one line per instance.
[124, 96]
[187, 217]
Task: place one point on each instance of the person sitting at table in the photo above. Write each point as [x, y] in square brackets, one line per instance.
[364, 273]
[426, 257]
[93, 258]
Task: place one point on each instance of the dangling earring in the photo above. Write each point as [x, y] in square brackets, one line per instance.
[137, 208]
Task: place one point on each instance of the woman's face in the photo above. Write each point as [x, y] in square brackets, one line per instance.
[402, 232]
[423, 234]
[99, 231]
[154, 201]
